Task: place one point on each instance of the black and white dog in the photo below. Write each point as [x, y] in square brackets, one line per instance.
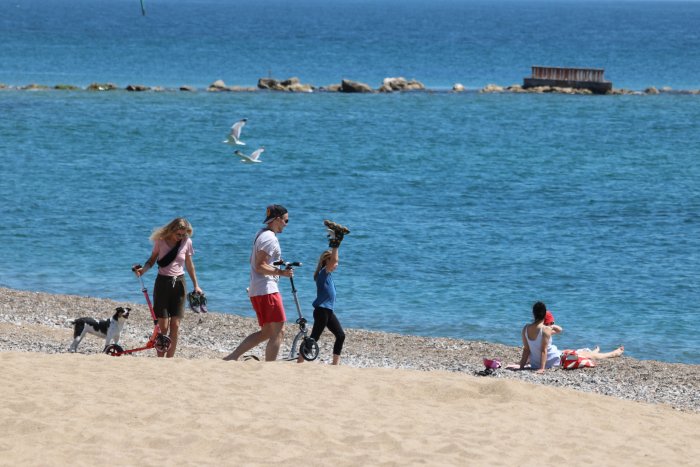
[110, 329]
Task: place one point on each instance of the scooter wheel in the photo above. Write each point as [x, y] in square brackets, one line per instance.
[162, 343]
[114, 350]
[309, 349]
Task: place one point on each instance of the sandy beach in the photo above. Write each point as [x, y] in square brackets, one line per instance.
[398, 400]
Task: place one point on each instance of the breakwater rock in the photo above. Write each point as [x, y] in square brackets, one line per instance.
[288, 85]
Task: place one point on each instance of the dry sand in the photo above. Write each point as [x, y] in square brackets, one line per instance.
[94, 409]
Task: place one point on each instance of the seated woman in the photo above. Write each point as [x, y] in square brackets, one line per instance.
[537, 343]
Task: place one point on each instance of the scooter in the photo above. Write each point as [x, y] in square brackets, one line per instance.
[158, 340]
[308, 347]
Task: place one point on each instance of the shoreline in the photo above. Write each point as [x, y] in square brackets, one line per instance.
[37, 322]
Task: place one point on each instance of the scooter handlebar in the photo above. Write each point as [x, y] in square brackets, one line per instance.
[287, 264]
[133, 269]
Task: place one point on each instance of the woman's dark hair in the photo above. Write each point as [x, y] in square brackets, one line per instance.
[539, 309]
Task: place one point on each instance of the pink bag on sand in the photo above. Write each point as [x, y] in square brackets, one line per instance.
[493, 364]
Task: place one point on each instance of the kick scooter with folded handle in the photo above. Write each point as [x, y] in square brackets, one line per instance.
[307, 347]
[158, 340]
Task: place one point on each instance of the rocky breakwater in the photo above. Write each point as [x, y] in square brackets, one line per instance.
[388, 85]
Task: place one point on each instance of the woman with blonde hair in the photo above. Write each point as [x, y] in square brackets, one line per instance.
[172, 251]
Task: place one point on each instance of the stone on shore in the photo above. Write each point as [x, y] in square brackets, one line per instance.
[188, 89]
[491, 88]
[332, 88]
[137, 88]
[623, 92]
[220, 86]
[651, 90]
[102, 87]
[34, 87]
[458, 87]
[569, 90]
[217, 85]
[400, 84]
[539, 89]
[548, 89]
[354, 86]
[66, 87]
[287, 85]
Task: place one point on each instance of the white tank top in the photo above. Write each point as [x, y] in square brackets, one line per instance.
[553, 354]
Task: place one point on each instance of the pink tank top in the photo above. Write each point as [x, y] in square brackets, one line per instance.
[176, 268]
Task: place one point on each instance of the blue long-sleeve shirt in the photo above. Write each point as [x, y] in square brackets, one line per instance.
[325, 290]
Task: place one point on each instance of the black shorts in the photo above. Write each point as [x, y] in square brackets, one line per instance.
[169, 296]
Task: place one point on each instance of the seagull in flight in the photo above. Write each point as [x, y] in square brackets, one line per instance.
[253, 158]
[235, 133]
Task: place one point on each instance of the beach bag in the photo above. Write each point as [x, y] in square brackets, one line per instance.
[491, 366]
[170, 256]
[570, 360]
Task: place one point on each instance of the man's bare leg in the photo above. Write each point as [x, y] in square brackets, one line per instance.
[275, 333]
[248, 343]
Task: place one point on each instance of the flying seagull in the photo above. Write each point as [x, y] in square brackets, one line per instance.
[253, 158]
[235, 133]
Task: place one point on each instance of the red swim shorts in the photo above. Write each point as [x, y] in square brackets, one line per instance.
[269, 308]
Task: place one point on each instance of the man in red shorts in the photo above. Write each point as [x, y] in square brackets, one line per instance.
[264, 290]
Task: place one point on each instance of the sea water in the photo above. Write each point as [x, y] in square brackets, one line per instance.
[464, 208]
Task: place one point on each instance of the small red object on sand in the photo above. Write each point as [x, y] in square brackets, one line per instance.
[492, 363]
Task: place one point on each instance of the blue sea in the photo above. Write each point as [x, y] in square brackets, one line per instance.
[464, 208]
